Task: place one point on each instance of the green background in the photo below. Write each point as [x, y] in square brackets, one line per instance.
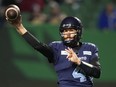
[22, 66]
[32, 65]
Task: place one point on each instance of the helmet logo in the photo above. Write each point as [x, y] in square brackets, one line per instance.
[66, 25]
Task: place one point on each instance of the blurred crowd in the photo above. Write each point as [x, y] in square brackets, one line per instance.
[107, 18]
[40, 11]
[54, 11]
[46, 11]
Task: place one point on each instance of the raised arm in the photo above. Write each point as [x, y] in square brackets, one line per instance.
[45, 49]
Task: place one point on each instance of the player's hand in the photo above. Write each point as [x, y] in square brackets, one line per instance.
[72, 56]
[17, 22]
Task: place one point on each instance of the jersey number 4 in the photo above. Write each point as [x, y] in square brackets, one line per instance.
[77, 74]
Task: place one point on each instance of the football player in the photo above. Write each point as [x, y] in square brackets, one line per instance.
[75, 62]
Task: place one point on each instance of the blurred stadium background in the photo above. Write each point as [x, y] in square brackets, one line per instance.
[22, 66]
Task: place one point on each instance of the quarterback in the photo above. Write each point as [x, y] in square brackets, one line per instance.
[76, 63]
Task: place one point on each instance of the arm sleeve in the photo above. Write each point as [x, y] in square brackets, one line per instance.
[45, 49]
[93, 68]
[90, 69]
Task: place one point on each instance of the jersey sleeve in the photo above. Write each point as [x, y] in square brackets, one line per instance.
[93, 67]
[43, 48]
[95, 57]
[55, 47]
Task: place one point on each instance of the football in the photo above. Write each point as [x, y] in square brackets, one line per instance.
[12, 12]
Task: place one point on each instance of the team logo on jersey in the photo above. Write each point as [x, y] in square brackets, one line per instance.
[63, 52]
[83, 58]
[87, 53]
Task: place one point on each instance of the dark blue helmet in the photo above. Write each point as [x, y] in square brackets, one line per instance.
[71, 23]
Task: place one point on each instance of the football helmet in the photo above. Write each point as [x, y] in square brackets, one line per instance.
[71, 23]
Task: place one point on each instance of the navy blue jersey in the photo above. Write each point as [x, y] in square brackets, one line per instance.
[69, 73]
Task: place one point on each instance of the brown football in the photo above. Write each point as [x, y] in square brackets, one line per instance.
[12, 12]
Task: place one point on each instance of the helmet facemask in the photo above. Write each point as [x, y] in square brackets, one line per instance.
[71, 42]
